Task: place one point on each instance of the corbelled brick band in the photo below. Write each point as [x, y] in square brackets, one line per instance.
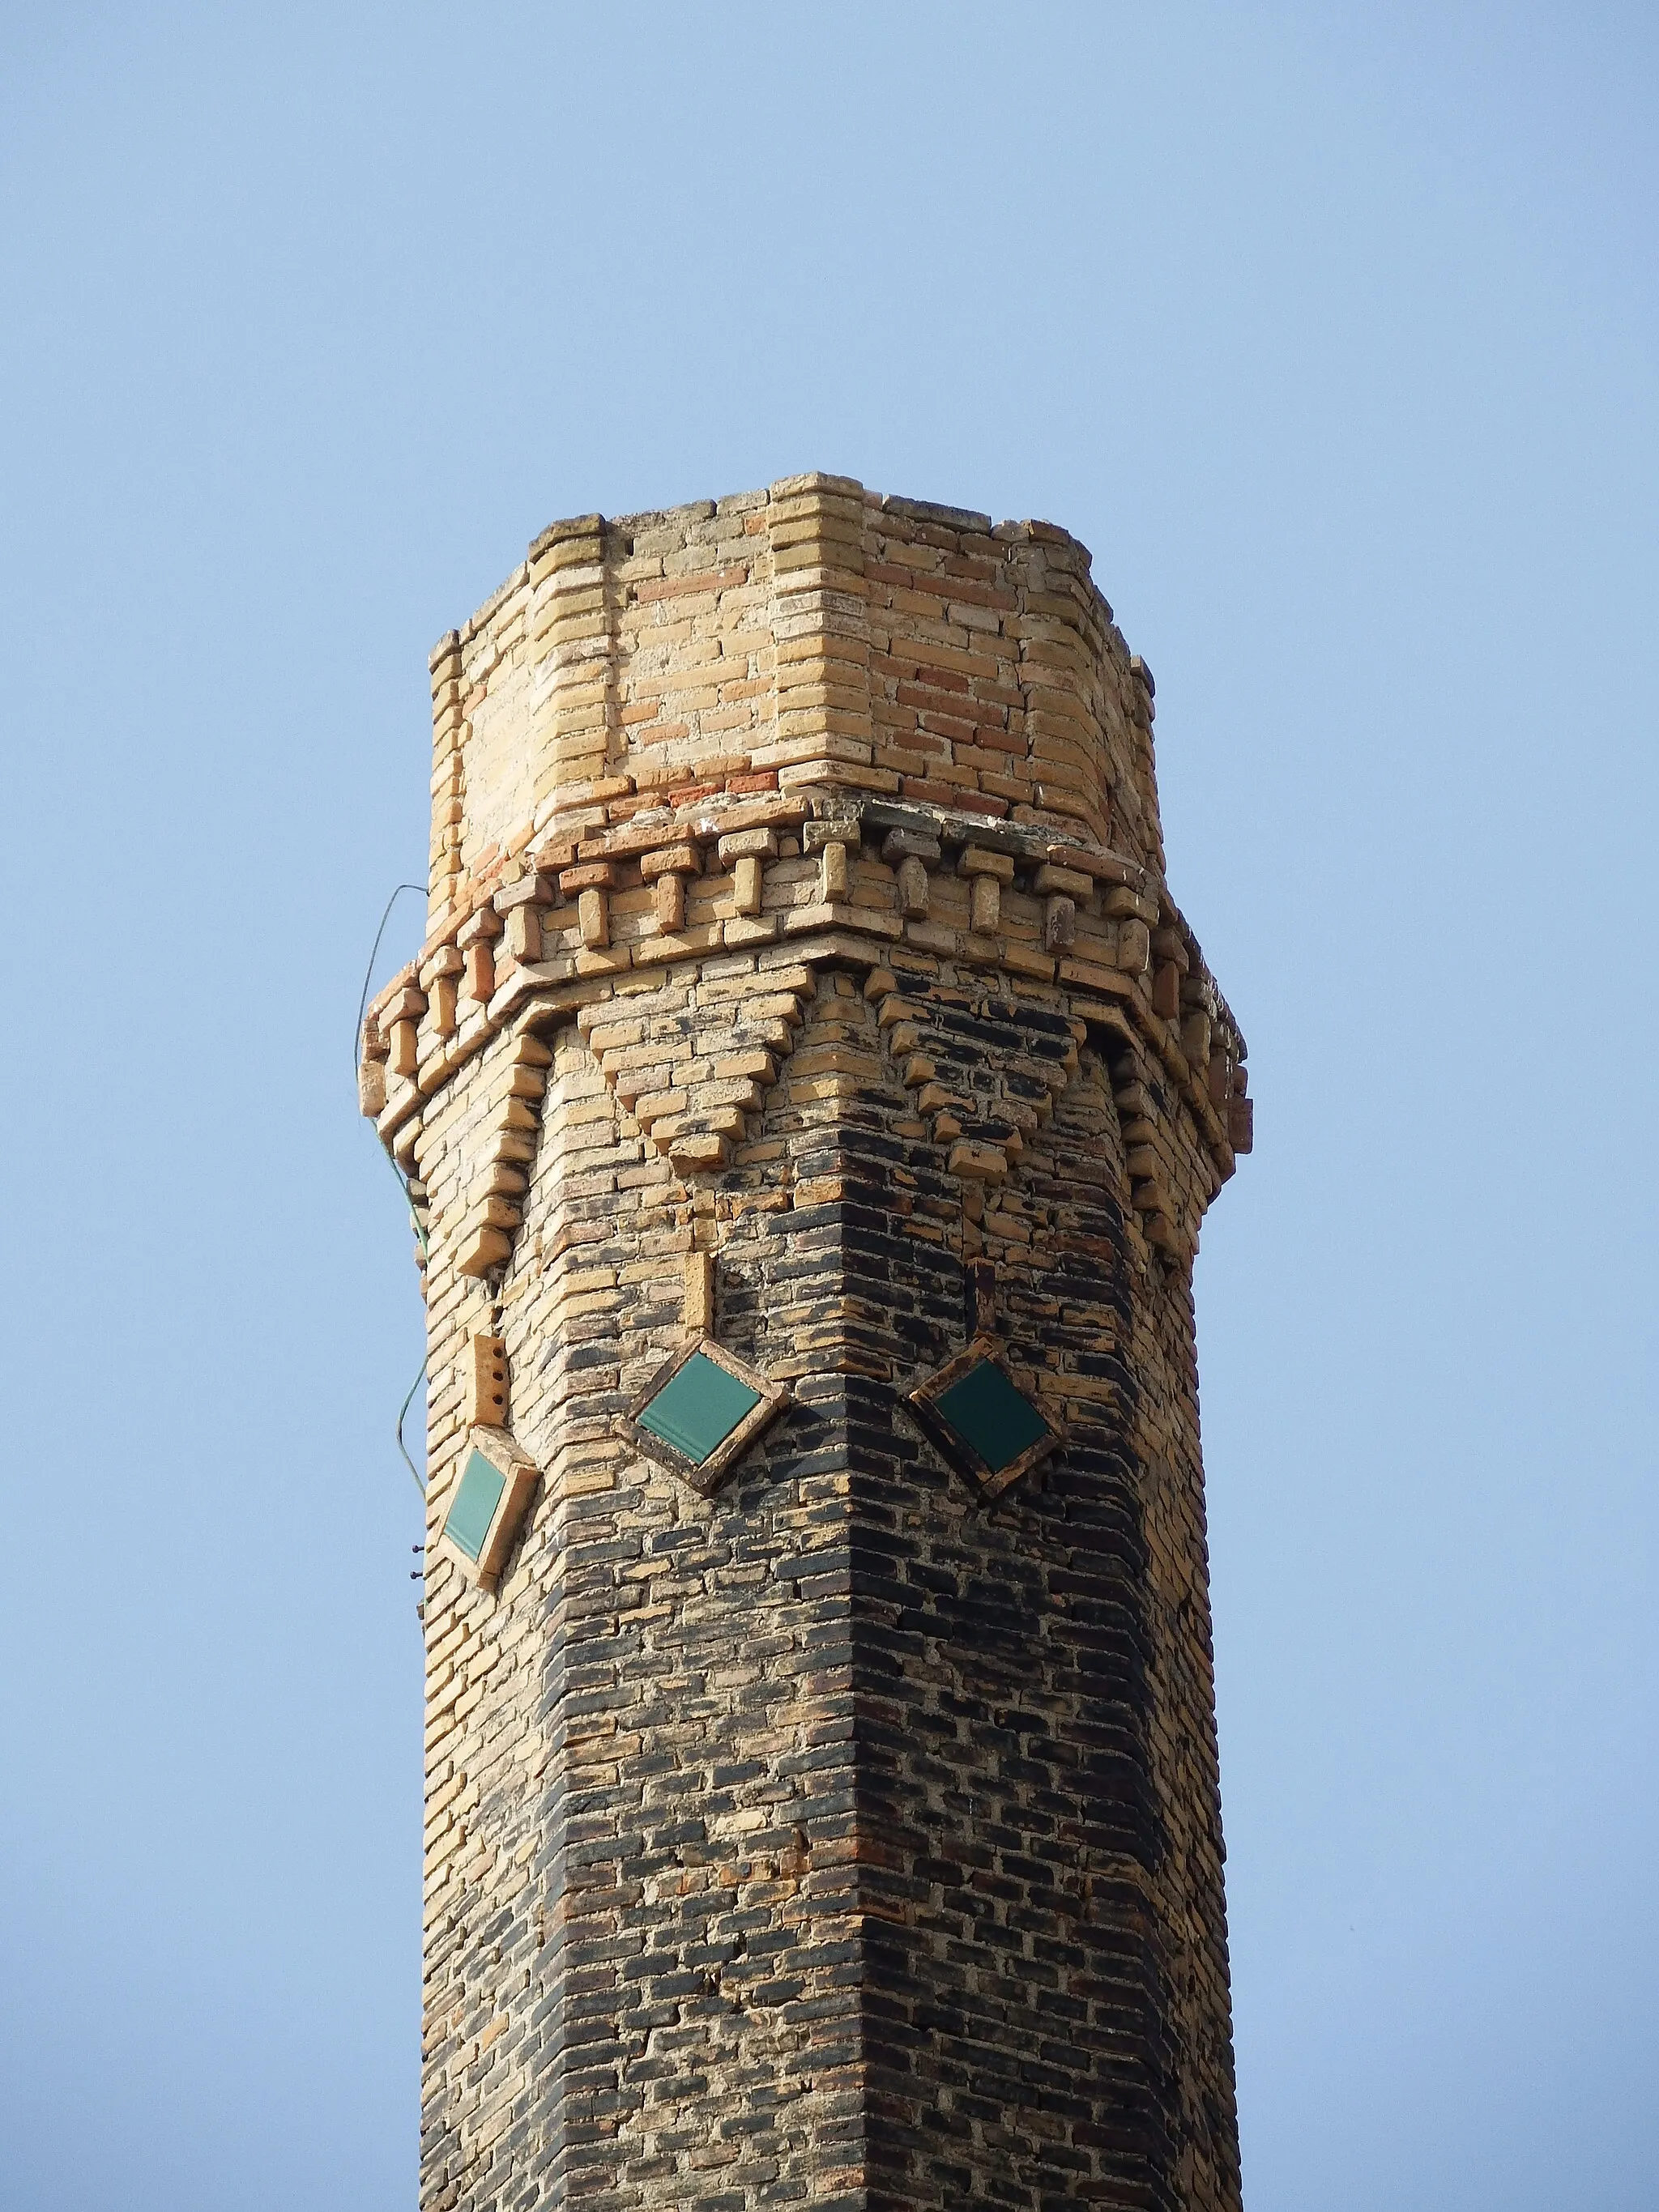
[801, 980]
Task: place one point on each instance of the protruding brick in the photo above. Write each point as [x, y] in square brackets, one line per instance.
[1135, 951]
[487, 1382]
[984, 902]
[746, 887]
[485, 1247]
[594, 920]
[979, 860]
[699, 1308]
[1059, 922]
[668, 893]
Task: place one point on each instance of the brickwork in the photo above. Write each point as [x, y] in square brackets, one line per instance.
[798, 939]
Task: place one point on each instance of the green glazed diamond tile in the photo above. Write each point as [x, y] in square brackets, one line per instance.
[476, 1496]
[991, 1416]
[698, 1407]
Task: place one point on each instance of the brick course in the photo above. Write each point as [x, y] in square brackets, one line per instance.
[798, 938]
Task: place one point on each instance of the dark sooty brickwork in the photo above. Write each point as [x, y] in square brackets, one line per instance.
[868, 1831]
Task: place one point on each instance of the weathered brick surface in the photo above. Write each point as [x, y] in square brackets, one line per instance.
[848, 1838]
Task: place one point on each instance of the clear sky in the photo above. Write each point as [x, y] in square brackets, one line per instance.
[1332, 330]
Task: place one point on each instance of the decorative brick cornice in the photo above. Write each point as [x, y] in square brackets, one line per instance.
[939, 755]
[1106, 977]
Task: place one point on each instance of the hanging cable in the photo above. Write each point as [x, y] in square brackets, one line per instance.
[403, 1415]
[368, 972]
[356, 1047]
[415, 1222]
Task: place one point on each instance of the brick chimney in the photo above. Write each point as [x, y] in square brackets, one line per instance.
[810, 1095]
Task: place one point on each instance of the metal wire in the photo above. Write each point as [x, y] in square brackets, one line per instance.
[403, 1415]
[368, 972]
[416, 1222]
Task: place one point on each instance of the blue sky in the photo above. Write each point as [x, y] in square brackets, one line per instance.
[1332, 332]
